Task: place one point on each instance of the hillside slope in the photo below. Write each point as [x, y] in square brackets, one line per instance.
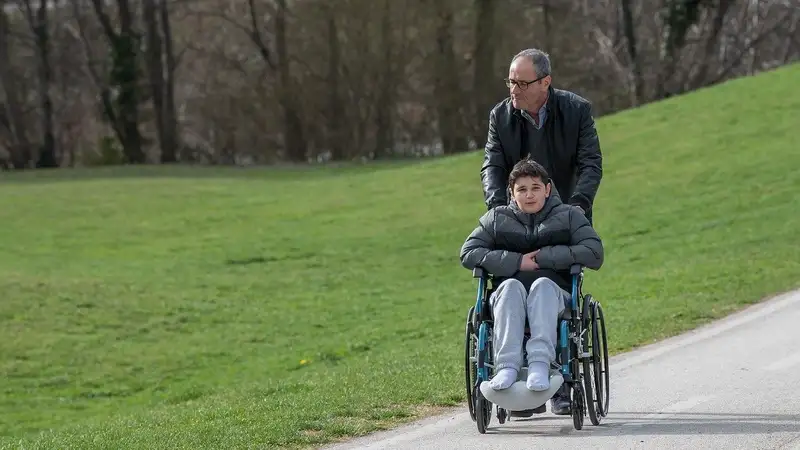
[222, 308]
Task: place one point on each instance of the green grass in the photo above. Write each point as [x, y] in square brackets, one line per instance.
[203, 308]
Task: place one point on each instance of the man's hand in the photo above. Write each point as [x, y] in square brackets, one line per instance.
[529, 262]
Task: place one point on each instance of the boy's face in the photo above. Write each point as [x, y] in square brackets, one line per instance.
[530, 194]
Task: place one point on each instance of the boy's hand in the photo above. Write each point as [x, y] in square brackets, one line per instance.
[529, 262]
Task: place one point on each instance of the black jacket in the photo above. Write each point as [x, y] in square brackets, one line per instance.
[560, 232]
[574, 163]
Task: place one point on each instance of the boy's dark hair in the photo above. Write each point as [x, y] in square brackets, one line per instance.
[527, 168]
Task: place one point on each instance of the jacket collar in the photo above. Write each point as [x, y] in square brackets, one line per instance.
[551, 98]
[552, 201]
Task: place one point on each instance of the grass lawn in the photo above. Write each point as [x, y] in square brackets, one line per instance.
[221, 308]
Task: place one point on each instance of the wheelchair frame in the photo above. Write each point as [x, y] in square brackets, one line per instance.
[589, 393]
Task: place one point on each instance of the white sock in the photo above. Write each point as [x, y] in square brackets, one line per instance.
[538, 376]
[503, 379]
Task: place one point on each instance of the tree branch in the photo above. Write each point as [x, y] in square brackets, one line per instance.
[742, 52]
[256, 37]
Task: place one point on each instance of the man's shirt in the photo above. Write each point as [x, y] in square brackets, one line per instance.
[542, 116]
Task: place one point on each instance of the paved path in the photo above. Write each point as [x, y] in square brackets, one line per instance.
[730, 385]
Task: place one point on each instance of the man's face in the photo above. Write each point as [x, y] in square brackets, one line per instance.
[530, 194]
[524, 94]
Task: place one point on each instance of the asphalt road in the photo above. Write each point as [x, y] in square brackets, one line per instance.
[730, 385]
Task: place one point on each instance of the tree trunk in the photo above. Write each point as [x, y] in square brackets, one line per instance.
[159, 50]
[155, 66]
[386, 95]
[128, 77]
[792, 37]
[483, 68]
[124, 110]
[547, 16]
[172, 139]
[679, 16]
[700, 77]
[293, 126]
[335, 105]
[630, 38]
[40, 27]
[447, 89]
[20, 149]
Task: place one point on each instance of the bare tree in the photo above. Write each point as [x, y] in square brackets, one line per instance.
[446, 81]
[335, 136]
[295, 134]
[161, 71]
[384, 118]
[13, 117]
[120, 95]
[483, 74]
[635, 63]
[38, 23]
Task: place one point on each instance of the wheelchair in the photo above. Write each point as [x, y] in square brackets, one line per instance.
[581, 354]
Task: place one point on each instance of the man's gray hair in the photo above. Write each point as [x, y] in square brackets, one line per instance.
[540, 60]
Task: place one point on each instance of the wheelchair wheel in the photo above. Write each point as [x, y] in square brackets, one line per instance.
[502, 415]
[578, 406]
[470, 370]
[589, 348]
[578, 402]
[483, 411]
[600, 360]
[483, 407]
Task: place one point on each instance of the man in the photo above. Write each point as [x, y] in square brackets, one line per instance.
[553, 127]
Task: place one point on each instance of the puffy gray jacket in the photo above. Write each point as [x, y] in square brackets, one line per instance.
[560, 232]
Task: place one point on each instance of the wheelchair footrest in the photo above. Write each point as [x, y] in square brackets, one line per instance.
[518, 397]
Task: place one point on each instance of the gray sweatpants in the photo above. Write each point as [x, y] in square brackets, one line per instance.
[542, 305]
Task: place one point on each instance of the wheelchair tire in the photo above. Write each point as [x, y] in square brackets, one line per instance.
[470, 369]
[600, 360]
[483, 410]
[589, 367]
[578, 401]
[578, 405]
[502, 415]
[483, 407]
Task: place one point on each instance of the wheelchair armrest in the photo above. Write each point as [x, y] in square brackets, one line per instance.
[575, 269]
[478, 272]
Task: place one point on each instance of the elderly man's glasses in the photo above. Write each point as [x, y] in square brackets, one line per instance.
[522, 84]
